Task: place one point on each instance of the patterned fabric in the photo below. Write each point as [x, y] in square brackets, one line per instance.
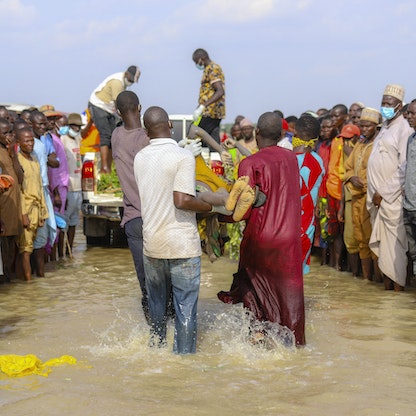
[311, 171]
[212, 74]
[324, 150]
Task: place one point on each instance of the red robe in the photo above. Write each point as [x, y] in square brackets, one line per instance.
[269, 280]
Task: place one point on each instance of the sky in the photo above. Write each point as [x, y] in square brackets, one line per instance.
[291, 55]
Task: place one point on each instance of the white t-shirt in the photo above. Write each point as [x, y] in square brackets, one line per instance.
[73, 156]
[161, 168]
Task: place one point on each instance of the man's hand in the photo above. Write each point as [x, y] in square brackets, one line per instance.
[229, 143]
[197, 113]
[377, 198]
[357, 182]
[226, 158]
[53, 160]
[25, 221]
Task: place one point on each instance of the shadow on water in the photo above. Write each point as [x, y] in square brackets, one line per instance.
[9, 325]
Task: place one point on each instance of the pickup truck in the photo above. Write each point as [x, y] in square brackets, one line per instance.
[102, 211]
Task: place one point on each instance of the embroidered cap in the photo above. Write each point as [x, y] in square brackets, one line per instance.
[394, 90]
[370, 114]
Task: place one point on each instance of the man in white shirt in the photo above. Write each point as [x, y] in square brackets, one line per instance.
[165, 175]
[386, 177]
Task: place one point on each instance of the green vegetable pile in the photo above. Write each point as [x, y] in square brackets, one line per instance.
[109, 183]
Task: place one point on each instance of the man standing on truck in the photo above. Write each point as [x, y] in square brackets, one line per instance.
[126, 141]
[211, 101]
[103, 111]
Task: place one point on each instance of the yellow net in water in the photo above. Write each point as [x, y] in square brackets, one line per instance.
[24, 365]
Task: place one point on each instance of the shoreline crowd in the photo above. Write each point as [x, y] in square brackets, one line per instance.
[40, 151]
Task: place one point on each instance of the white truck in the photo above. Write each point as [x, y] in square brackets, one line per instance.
[102, 211]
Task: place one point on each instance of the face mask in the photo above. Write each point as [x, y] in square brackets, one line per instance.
[127, 82]
[63, 130]
[199, 66]
[73, 133]
[388, 112]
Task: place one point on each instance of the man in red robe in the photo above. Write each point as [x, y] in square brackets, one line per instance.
[269, 279]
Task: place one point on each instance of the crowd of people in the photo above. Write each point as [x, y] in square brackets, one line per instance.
[40, 151]
[350, 226]
[338, 181]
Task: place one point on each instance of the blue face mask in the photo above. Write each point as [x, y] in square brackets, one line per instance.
[388, 112]
[200, 67]
[63, 130]
[73, 133]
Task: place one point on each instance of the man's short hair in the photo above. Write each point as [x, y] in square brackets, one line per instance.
[200, 53]
[307, 127]
[342, 107]
[270, 126]
[20, 132]
[155, 117]
[127, 101]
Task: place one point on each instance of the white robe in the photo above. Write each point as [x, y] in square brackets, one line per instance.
[385, 174]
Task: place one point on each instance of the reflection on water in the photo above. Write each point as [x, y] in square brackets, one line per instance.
[360, 356]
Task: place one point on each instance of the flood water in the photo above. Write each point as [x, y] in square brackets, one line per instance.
[360, 357]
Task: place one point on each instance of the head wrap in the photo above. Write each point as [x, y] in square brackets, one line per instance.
[297, 142]
[245, 122]
[358, 103]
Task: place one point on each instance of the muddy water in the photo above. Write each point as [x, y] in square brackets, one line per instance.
[360, 358]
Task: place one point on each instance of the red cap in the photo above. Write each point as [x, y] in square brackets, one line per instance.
[349, 131]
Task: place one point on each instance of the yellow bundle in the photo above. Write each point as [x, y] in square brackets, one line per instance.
[24, 365]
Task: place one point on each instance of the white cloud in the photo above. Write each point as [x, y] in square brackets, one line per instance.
[239, 11]
[14, 12]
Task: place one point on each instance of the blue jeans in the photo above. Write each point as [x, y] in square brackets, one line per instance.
[184, 277]
[134, 234]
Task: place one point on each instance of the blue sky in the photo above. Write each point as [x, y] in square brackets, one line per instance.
[292, 55]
